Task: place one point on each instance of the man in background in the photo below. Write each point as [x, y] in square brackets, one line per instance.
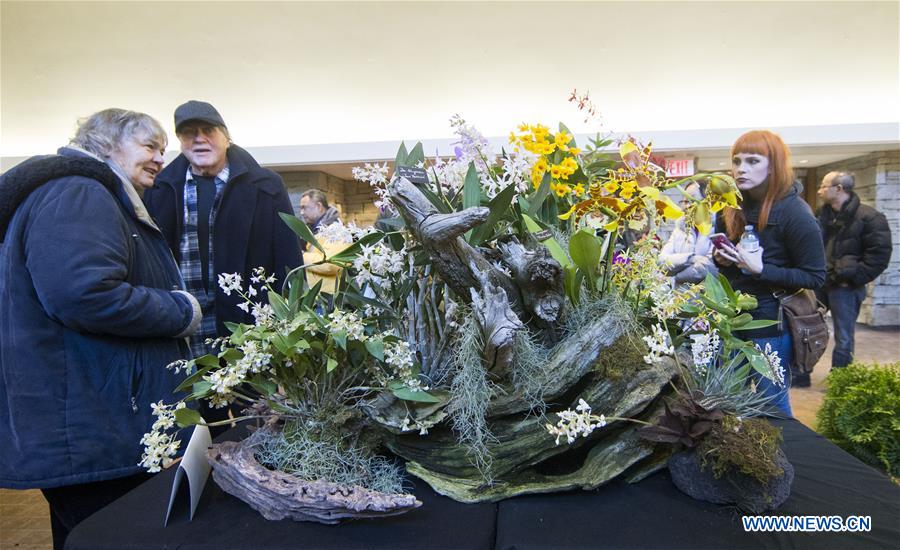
[317, 214]
[857, 249]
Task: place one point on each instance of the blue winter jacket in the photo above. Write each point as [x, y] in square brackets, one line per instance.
[88, 320]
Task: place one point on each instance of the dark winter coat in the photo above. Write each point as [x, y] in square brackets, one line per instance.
[793, 256]
[88, 323]
[857, 242]
[248, 231]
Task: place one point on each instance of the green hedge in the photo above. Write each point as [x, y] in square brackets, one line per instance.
[861, 413]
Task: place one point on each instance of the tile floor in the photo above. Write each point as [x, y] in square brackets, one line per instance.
[25, 524]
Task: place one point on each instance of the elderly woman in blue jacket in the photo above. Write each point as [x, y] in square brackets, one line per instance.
[91, 312]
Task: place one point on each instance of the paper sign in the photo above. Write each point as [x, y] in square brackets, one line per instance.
[195, 467]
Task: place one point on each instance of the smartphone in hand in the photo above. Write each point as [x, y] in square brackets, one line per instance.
[719, 240]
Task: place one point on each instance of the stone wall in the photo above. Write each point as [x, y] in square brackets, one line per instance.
[354, 200]
[878, 185]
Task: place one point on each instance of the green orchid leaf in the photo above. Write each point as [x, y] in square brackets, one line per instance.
[537, 201]
[586, 251]
[376, 348]
[187, 417]
[415, 156]
[331, 364]
[472, 188]
[340, 337]
[402, 154]
[499, 206]
[403, 392]
[301, 229]
[759, 323]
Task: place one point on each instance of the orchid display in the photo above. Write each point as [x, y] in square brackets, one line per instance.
[503, 297]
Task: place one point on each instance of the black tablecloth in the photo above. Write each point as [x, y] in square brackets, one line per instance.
[649, 514]
[654, 514]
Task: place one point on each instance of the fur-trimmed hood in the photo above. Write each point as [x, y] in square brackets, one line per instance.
[19, 182]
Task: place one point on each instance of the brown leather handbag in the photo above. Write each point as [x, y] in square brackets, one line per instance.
[805, 318]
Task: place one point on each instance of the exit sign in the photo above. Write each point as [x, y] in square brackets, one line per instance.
[679, 168]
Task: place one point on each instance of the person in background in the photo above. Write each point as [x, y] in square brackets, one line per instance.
[687, 254]
[858, 249]
[92, 312]
[790, 256]
[219, 211]
[317, 214]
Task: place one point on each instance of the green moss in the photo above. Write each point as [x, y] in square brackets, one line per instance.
[861, 413]
[749, 446]
[622, 358]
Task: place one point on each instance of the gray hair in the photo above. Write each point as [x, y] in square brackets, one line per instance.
[845, 179]
[316, 195]
[103, 132]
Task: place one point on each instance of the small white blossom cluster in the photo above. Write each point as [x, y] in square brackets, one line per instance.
[255, 360]
[399, 357]
[376, 175]
[704, 348]
[349, 323]
[774, 362]
[181, 365]
[409, 425]
[160, 447]
[516, 171]
[339, 233]
[259, 277]
[573, 424]
[449, 174]
[659, 345]
[376, 262]
[230, 282]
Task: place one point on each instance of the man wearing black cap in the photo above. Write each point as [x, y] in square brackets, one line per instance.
[218, 209]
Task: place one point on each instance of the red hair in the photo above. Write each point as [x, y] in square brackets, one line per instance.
[781, 176]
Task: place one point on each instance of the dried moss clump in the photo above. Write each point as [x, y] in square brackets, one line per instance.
[749, 446]
[622, 358]
[305, 453]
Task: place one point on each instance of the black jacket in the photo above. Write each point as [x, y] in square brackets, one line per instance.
[857, 242]
[793, 256]
[248, 231]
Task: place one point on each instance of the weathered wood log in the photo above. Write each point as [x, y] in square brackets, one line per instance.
[522, 442]
[452, 257]
[277, 495]
[539, 278]
[498, 326]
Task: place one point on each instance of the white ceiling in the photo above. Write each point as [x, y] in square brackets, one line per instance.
[318, 76]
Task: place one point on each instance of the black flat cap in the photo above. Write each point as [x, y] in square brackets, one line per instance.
[197, 110]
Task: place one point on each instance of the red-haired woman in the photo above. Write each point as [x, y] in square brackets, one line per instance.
[790, 256]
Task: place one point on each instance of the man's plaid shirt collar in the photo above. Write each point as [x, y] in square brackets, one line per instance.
[222, 176]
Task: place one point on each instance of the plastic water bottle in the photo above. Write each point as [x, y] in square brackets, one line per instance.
[749, 242]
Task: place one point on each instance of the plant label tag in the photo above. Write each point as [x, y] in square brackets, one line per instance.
[195, 467]
[415, 175]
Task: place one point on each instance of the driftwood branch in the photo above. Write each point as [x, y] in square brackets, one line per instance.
[277, 495]
[539, 278]
[498, 326]
[458, 263]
